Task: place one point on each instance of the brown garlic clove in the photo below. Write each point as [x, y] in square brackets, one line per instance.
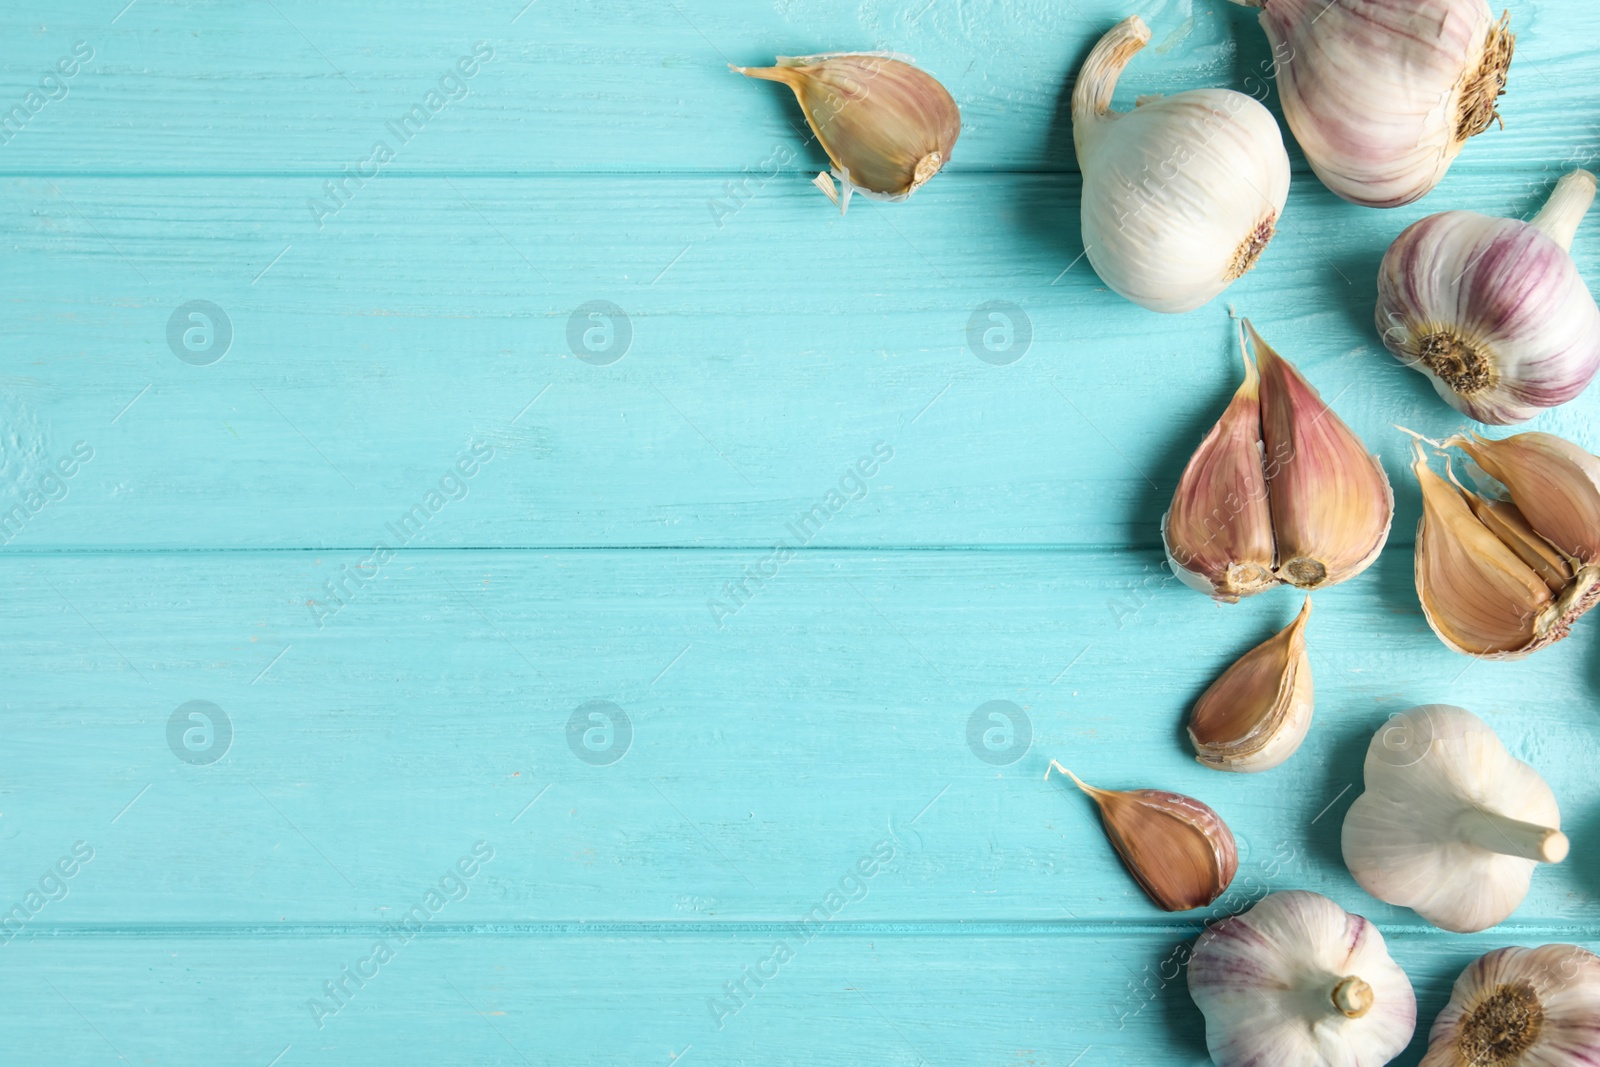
[1502, 519]
[1477, 594]
[1331, 502]
[1554, 483]
[887, 126]
[1256, 715]
[1218, 532]
[1179, 851]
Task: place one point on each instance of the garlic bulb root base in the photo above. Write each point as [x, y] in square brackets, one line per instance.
[1481, 95]
[1456, 361]
[1245, 256]
[1505, 1025]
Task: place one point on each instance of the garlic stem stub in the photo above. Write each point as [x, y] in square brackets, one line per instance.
[886, 125]
[1513, 1006]
[1501, 579]
[1383, 94]
[1179, 851]
[1493, 311]
[1180, 195]
[1280, 491]
[1451, 824]
[1297, 981]
[1257, 713]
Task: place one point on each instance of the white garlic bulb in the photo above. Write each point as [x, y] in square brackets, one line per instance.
[1181, 194]
[1383, 94]
[1538, 1007]
[1492, 310]
[1296, 981]
[1451, 825]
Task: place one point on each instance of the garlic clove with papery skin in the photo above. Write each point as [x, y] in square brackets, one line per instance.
[886, 125]
[1256, 715]
[1383, 94]
[1179, 850]
[1180, 195]
[1218, 532]
[1451, 824]
[1492, 310]
[1503, 579]
[1331, 502]
[1298, 982]
[1514, 1006]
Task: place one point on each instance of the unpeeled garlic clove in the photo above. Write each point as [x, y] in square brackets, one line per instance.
[1331, 501]
[1513, 1006]
[1503, 579]
[1477, 594]
[1492, 310]
[1218, 532]
[1297, 981]
[1179, 851]
[1451, 824]
[1383, 94]
[886, 125]
[1554, 483]
[1256, 715]
[1180, 195]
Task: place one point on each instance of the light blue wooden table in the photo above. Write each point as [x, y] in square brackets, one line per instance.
[581, 791]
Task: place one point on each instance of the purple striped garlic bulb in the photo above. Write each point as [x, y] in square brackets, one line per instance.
[1538, 1007]
[1493, 311]
[1297, 981]
[1383, 94]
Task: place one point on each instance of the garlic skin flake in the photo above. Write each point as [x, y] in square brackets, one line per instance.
[1513, 1006]
[1383, 94]
[1493, 311]
[1297, 981]
[1451, 824]
[1181, 194]
[1257, 713]
[1179, 851]
[1503, 579]
[886, 125]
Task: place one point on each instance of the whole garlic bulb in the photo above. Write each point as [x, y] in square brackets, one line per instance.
[1451, 825]
[1181, 194]
[1514, 1006]
[1383, 94]
[1494, 311]
[1298, 982]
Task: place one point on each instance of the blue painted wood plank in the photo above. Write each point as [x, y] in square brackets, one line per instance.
[437, 707]
[183, 86]
[757, 370]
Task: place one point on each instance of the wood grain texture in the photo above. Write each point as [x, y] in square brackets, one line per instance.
[583, 548]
